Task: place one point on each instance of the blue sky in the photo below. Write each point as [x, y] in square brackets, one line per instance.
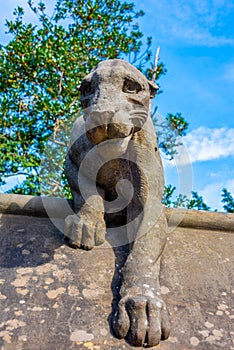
[196, 42]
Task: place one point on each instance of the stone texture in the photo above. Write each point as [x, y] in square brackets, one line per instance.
[114, 170]
[49, 299]
[60, 208]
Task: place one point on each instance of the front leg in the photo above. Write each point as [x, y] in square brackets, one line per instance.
[86, 228]
[141, 316]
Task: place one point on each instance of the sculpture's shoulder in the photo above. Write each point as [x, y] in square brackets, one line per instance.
[79, 144]
[78, 129]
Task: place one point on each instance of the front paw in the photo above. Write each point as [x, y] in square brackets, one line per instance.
[142, 320]
[84, 232]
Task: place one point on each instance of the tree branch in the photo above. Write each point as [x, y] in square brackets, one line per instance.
[61, 84]
[58, 142]
[154, 76]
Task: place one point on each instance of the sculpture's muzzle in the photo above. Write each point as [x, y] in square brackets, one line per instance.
[103, 125]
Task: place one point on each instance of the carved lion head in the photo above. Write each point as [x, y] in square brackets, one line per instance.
[115, 100]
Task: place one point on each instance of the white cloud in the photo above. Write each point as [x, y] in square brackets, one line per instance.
[229, 185]
[205, 144]
[212, 193]
[199, 36]
[195, 22]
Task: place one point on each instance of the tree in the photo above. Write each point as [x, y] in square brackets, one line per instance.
[228, 201]
[170, 132]
[41, 69]
[196, 201]
[182, 201]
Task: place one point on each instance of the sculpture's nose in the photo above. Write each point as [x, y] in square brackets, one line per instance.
[117, 130]
[101, 117]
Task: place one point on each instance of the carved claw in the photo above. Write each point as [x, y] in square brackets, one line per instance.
[143, 321]
[85, 233]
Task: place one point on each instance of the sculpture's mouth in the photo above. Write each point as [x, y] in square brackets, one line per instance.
[108, 123]
[109, 132]
[112, 148]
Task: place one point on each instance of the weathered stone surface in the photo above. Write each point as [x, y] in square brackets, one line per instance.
[60, 208]
[115, 174]
[49, 299]
[35, 206]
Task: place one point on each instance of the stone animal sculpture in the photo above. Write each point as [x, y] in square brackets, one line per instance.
[114, 169]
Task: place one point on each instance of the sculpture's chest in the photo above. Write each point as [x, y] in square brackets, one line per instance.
[113, 171]
[91, 165]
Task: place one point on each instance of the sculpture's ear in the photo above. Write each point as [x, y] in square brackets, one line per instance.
[153, 88]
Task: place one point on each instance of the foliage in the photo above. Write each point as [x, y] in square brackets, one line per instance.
[41, 69]
[182, 201]
[196, 202]
[228, 201]
[167, 195]
[169, 132]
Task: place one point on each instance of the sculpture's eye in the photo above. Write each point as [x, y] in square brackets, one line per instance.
[131, 86]
[86, 88]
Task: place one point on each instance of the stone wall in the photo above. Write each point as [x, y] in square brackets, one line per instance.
[50, 300]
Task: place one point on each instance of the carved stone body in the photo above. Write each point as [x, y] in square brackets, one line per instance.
[114, 169]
